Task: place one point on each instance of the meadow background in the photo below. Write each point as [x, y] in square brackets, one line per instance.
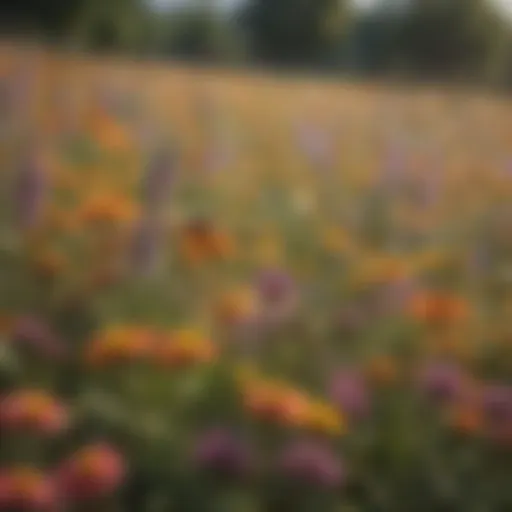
[227, 290]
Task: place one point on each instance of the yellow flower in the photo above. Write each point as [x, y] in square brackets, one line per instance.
[325, 418]
[238, 305]
[183, 348]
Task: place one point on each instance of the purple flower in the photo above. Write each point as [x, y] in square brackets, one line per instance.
[275, 285]
[35, 334]
[349, 391]
[30, 191]
[442, 382]
[278, 293]
[312, 464]
[219, 450]
[157, 183]
[497, 404]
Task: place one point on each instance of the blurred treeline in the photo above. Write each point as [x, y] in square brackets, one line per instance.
[463, 40]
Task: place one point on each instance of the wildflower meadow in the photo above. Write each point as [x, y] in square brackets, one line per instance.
[237, 292]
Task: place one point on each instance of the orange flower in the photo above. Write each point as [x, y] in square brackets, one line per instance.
[120, 345]
[437, 308]
[275, 403]
[237, 306]
[200, 242]
[106, 209]
[184, 348]
[466, 420]
[111, 135]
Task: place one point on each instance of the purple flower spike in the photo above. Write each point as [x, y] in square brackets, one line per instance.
[312, 464]
[30, 191]
[221, 451]
[156, 187]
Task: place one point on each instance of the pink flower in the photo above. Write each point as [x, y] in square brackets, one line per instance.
[219, 450]
[349, 391]
[93, 472]
[312, 463]
[35, 334]
[34, 411]
[28, 490]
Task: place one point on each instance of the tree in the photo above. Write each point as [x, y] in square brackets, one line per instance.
[293, 31]
[450, 37]
[50, 17]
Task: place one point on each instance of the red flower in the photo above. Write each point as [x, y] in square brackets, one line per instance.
[26, 489]
[93, 472]
[32, 410]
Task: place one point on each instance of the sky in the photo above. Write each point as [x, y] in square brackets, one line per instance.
[506, 5]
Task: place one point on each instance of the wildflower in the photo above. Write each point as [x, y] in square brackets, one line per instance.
[311, 464]
[237, 307]
[93, 472]
[120, 344]
[32, 411]
[183, 348]
[278, 293]
[437, 308]
[324, 418]
[276, 403]
[442, 382]
[106, 209]
[201, 241]
[220, 451]
[32, 332]
[31, 190]
[27, 489]
[349, 391]
[465, 419]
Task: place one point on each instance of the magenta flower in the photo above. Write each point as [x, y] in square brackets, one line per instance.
[349, 390]
[442, 382]
[221, 451]
[312, 464]
[278, 293]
